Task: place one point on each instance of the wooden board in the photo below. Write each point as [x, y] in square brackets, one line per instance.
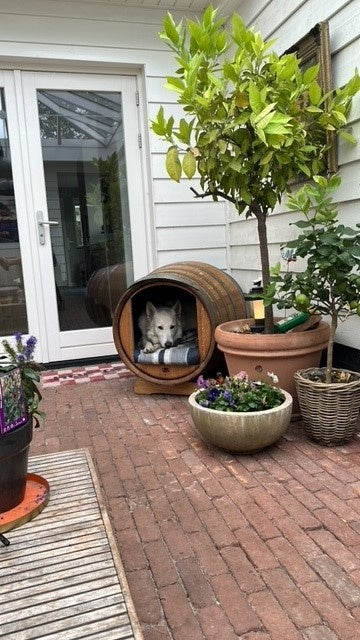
[62, 578]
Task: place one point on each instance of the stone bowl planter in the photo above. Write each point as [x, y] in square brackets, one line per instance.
[241, 432]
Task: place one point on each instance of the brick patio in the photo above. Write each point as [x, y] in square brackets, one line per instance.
[216, 546]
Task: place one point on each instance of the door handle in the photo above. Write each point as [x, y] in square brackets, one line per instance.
[41, 224]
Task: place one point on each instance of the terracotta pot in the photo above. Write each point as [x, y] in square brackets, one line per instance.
[282, 354]
[241, 432]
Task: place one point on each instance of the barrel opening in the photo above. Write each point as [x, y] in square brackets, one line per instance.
[208, 296]
[184, 332]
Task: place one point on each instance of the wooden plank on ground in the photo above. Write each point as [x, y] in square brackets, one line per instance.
[62, 578]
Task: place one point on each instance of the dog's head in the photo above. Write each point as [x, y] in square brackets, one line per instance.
[164, 323]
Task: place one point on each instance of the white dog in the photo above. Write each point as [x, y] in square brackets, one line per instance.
[161, 327]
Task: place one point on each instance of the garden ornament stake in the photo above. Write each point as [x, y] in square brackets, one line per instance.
[255, 121]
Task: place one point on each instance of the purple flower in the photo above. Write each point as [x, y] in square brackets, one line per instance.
[228, 396]
[18, 337]
[213, 394]
[201, 383]
[30, 346]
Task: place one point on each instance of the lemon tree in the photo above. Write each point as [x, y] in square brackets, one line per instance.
[330, 281]
[252, 121]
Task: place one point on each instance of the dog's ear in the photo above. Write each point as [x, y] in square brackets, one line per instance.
[177, 308]
[150, 309]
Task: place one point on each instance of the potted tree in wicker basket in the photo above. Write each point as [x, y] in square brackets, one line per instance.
[329, 285]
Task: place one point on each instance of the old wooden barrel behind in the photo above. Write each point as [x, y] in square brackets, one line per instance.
[211, 295]
[103, 291]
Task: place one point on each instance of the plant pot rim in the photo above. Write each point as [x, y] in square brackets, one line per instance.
[335, 386]
[227, 339]
[230, 326]
[288, 401]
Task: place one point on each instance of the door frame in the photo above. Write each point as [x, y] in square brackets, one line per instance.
[141, 204]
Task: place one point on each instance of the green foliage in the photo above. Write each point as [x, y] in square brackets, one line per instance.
[330, 282]
[237, 394]
[255, 121]
[258, 120]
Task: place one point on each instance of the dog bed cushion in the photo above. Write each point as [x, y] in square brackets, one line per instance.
[184, 352]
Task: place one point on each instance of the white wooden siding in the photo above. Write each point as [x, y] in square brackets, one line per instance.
[288, 22]
[102, 34]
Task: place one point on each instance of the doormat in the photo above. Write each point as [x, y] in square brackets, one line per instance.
[62, 576]
[90, 373]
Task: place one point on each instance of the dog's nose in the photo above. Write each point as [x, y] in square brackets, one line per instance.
[168, 345]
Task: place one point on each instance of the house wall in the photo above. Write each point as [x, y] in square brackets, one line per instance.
[103, 34]
[288, 22]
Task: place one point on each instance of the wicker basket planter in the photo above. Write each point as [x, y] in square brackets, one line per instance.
[329, 411]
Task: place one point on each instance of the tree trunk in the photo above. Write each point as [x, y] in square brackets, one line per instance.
[265, 266]
[330, 350]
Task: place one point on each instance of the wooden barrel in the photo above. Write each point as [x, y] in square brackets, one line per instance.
[103, 291]
[215, 297]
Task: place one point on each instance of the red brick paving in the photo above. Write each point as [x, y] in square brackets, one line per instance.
[216, 546]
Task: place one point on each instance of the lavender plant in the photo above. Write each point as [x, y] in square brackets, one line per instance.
[238, 394]
[22, 356]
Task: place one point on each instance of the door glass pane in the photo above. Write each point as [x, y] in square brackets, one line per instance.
[82, 136]
[12, 300]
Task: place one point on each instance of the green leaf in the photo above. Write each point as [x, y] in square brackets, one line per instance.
[169, 126]
[208, 16]
[267, 157]
[255, 98]
[311, 74]
[174, 84]
[184, 131]
[334, 181]
[276, 128]
[173, 165]
[170, 29]
[320, 180]
[158, 129]
[302, 224]
[189, 164]
[229, 72]
[238, 29]
[314, 93]
[195, 31]
[264, 112]
[340, 116]
[304, 169]
[221, 42]
[347, 136]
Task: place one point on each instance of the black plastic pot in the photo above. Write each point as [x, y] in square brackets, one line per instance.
[14, 453]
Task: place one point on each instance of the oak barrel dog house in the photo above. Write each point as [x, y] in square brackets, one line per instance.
[207, 294]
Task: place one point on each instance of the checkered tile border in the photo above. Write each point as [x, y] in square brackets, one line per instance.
[79, 375]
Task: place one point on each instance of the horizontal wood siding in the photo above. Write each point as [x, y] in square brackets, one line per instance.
[108, 33]
[288, 22]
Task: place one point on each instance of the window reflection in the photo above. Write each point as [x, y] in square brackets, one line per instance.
[84, 164]
[12, 299]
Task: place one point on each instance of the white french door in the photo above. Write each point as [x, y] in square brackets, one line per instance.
[77, 189]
